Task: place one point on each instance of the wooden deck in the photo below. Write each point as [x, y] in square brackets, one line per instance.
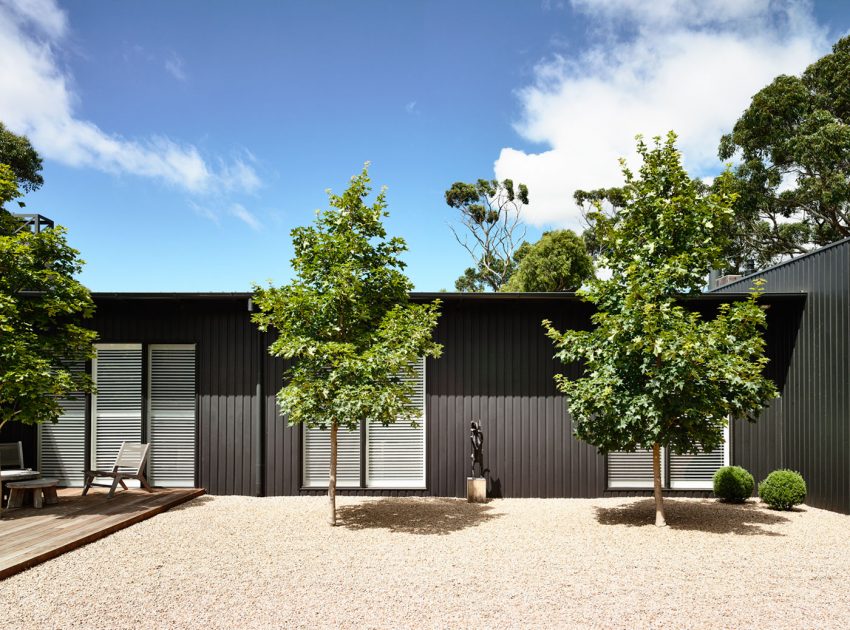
[29, 536]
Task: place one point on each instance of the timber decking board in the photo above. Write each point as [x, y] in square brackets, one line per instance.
[29, 536]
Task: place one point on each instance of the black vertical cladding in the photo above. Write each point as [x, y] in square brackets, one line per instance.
[497, 367]
[221, 329]
[808, 429]
[498, 361]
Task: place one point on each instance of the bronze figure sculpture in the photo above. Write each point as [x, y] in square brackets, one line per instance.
[476, 436]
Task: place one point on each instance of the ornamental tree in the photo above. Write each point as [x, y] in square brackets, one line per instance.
[346, 323]
[655, 374]
[42, 308]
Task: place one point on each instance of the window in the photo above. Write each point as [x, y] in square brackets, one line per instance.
[160, 413]
[678, 472]
[62, 445]
[393, 457]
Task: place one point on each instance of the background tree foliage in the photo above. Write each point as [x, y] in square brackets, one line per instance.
[793, 180]
[557, 262]
[42, 307]
[17, 153]
[656, 375]
[346, 323]
[490, 213]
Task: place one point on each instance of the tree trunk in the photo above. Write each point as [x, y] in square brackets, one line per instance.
[332, 476]
[656, 474]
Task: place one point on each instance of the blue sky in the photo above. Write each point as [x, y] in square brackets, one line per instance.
[183, 141]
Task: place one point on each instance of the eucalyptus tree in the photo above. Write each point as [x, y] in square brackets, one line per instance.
[346, 323]
[490, 212]
[793, 177]
[557, 262]
[656, 374]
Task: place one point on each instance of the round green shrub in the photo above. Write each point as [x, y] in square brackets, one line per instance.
[733, 484]
[783, 489]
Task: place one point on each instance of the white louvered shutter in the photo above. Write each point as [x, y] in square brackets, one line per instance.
[696, 472]
[317, 458]
[171, 415]
[62, 446]
[395, 454]
[630, 470]
[117, 405]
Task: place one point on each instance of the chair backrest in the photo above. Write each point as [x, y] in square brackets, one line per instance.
[11, 455]
[132, 455]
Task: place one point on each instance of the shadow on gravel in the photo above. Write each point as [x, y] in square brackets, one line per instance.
[713, 517]
[415, 516]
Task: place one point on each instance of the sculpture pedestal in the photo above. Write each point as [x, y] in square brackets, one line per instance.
[476, 490]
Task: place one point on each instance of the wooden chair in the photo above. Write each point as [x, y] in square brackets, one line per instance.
[130, 464]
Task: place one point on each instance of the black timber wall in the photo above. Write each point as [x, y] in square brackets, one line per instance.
[808, 429]
[228, 440]
[497, 367]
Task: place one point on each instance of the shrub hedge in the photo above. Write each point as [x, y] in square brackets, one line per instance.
[783, 489]
[733, 484]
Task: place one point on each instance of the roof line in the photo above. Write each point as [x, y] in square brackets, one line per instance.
[756, 274]
[421, 295]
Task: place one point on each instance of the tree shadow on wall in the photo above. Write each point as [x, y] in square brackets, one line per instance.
[430, 516]
[709, 516]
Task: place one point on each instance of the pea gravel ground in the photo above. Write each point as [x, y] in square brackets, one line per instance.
[236, 562]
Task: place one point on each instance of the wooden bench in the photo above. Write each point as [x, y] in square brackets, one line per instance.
[43, 491]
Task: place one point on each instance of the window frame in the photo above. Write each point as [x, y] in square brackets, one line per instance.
[665, 470]
[364, 452]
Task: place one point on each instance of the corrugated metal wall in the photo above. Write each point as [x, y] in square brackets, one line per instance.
[808, 430]
[227, 350]
[497, 367]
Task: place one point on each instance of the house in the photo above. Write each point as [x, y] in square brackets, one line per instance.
[808, 428]
[190, 373]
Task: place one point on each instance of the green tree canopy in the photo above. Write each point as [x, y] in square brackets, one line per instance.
[655, 374]
[346, 322]
[17, 153]
[557, 262]
[42, 307]
[793, 179]
[491, 216]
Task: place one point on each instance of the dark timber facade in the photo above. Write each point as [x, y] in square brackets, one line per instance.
[808, 429]
[497, 367]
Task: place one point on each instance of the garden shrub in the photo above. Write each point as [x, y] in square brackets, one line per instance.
[783, 489]
[733, 484]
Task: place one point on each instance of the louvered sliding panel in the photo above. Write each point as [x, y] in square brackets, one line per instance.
[171, 415]
[630, 470]
[696, 472]
[317, 458]
[62, 446]
[117, 406]
[395, 454]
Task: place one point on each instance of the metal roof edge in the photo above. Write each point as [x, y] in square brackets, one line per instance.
[756, 274]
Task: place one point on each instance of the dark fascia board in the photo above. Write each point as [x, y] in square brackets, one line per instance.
[796, 259]
[711, 297]
[171, 296]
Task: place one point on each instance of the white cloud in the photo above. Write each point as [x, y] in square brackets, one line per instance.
[687, 65]
[37, 99]
[243, 214]
[175, 66]
[411, 108]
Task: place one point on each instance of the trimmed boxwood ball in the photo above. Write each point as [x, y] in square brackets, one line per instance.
[733, 484]
[783, 489]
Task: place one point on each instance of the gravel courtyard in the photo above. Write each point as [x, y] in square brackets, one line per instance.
[236, 562]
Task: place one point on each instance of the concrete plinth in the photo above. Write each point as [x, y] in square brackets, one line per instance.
[476, 490]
